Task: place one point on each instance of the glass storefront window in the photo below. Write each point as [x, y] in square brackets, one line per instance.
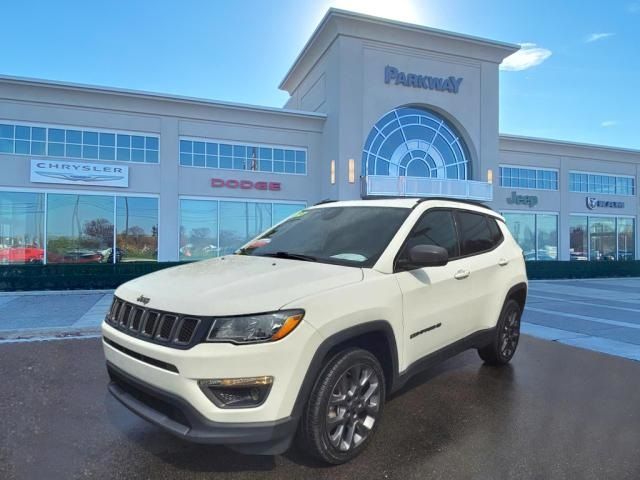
[136, 230]
[21, 227]
[537, 234]
[241, 221]
[547, 236]
[626, 239]
[198, 229]
[578, 238]
[284, 210]
[212, 228]
[79, 228]
[602, 238]
[523, 228]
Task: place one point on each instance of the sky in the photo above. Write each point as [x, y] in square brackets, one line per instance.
[576, 78]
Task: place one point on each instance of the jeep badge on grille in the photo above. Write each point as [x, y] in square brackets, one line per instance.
[142, 299]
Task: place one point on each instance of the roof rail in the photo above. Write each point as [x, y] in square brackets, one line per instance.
[460, 200]
[326, 200]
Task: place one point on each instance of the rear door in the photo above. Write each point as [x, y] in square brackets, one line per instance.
[435, 299]
[480, 241]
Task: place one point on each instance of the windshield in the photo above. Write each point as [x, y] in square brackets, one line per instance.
[352, 236]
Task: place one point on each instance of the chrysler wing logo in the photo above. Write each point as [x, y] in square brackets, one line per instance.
[592, 202]
[142, 299]
[81, 178]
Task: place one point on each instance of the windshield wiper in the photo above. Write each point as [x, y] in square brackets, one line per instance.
[291, 256]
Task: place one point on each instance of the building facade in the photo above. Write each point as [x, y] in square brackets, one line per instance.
[376, 108]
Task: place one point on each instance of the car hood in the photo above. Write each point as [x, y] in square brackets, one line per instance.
[235, 285]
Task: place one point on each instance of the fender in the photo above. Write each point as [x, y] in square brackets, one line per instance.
[317, 362]
[516, 288]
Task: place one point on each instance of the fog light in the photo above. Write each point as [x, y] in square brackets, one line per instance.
[237, 392]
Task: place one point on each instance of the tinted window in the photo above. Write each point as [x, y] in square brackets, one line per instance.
[496, 233]
[434, 228]
[475, 235]
[354, 236]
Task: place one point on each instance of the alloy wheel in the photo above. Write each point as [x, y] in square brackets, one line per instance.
[353, 407]
[510, 334]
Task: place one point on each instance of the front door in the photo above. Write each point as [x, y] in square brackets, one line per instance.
[435, 299]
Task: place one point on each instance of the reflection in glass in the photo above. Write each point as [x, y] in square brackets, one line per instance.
[21, 227]
[626, 247]
[198, 229]
[602, 238]
[547, 237]
[523, 226]
[136, 230]
[79, 228]
[241, 221]
[578, 246]
[284, 210]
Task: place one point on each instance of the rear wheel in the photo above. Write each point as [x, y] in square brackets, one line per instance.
[501, 350]
[345, 407]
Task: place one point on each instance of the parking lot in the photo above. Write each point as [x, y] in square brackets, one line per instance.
[556, 412]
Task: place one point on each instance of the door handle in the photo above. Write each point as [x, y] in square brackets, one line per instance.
[461, 274]
[502, 262]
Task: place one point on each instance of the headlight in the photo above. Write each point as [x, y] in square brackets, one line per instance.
[262, 327]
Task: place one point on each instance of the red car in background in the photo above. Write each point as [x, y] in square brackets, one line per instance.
[23, 254]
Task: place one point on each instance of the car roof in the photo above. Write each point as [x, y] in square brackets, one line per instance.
[411, 203]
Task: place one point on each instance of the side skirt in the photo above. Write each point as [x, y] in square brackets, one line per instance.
[475, 340]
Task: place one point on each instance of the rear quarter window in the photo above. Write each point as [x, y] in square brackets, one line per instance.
[476, 233]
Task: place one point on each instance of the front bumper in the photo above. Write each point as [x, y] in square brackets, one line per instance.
[176, 416]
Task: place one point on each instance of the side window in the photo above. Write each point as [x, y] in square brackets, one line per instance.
[496, 233]
[434, 228]
[475, 235]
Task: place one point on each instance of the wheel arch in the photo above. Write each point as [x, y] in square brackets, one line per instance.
[375, 336]
[518, 293]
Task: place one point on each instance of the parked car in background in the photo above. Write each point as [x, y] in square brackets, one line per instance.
[22, 254]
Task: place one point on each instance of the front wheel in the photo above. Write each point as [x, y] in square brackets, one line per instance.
[345, 407]
[501, 350]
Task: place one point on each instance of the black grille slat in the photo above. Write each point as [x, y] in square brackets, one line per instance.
[136, 319]
[171, 329]
[117, 304]
[166, 327]
[186, 330]
[151, 323]
[125, 314]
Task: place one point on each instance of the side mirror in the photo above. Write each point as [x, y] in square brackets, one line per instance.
[421, 256]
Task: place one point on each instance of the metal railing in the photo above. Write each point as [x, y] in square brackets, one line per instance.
[382, 185]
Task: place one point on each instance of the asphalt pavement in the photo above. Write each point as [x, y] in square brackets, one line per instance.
[557, 412]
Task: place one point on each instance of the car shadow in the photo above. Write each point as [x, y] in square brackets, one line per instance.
[429, 431]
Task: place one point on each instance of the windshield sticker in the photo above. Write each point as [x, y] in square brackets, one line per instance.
[354, 257]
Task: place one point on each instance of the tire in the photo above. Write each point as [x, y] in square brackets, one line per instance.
[505, 342]
[340, 419]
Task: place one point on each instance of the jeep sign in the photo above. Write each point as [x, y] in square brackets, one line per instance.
[528, 200]
[245, 184]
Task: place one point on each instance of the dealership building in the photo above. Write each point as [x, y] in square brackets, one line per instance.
[376, 108]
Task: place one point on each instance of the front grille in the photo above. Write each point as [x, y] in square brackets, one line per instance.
[165, 328]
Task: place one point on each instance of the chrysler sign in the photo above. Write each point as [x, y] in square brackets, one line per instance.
[245, 184]
[75, 173]
[442, 84]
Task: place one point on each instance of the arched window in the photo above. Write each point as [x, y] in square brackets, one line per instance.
[415, 142]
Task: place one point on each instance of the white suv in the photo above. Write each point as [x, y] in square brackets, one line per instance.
[310, 326]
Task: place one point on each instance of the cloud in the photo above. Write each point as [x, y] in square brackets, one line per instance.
[528, 56]
[608, 123]
[594, 37]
